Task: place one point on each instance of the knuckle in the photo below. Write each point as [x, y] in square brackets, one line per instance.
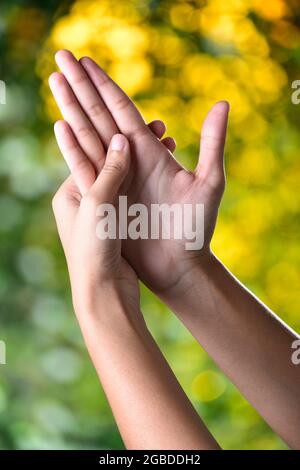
[217, 181]
[211, 142]
[116, 165]
[96, 110]
[122, 103]
[103, 80]
[84, 132]
[69, 100]
[79, 79]
[139, 132]
[72, 147]
[220, 181]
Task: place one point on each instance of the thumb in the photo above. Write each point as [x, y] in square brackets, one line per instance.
[114, 171]
[213, 135]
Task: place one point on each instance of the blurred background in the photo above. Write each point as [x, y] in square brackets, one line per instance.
[175, 58]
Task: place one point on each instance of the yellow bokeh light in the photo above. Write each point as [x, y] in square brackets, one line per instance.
[235, 246]
[208, 386]
[167, 48]
[260, 164]
[72, 33]
[270, 9]
[286, 34]
[282, 280]
[184, 16]
[200, 74]
[134, 76]
[125, 41]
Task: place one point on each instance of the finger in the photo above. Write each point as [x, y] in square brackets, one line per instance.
[131, 123]
[78, 163]
[91, 101]
[74, 115]
[87, 95]
[170, 143]
[114, 171]
[212, 143]
[157, 127]
[126, 116]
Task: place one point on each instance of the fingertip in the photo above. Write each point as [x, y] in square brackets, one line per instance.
[57, 126]
[91, 66]
[222, 105]
[119, 153]
[60, 126]
[212, 142]
[61, 55]
[84, 59]
[158, 127]
[55, 81]
[170, 143]
[88, 63]
[118, 142]
[162, 126]
[53, 77]
[215, 122]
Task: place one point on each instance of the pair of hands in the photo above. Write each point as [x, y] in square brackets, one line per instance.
[136, 163]
[195, 285]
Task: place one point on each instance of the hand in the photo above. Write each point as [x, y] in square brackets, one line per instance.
[95, 107]
[95, 265]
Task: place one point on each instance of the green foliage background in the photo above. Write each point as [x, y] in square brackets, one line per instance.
[175, 59]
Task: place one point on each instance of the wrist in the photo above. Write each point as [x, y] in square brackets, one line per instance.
[106, 308]
[193, 281]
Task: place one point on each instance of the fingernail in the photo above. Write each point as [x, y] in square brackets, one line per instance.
[118, 142]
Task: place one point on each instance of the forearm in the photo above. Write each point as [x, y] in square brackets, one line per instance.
[150, 407]
[250, 344]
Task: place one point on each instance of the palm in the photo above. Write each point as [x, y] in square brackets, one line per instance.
[160, 263]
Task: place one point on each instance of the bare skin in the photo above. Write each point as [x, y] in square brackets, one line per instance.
[150, 407]
[246, 340]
